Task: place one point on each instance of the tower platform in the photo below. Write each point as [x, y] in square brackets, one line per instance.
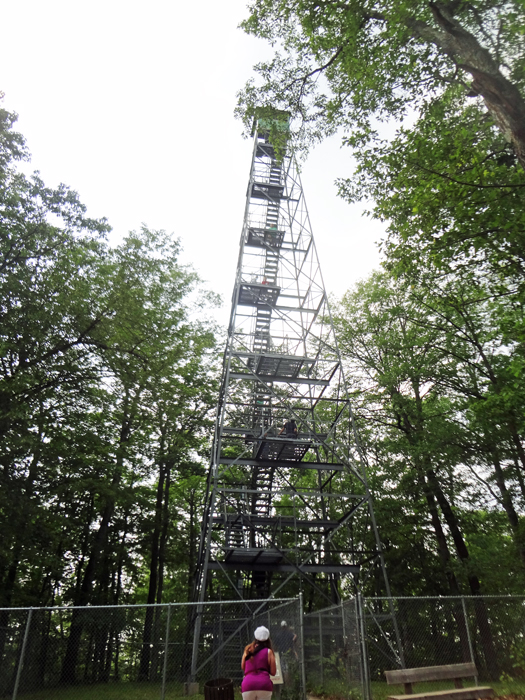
[254, 294]
[265, 238]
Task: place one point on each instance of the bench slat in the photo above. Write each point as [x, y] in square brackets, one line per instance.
[431, 673]
[462, 694]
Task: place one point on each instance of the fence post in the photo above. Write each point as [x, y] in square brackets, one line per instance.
[166, 647]
[22, 654]
[301, 637]
[321, 649]
[196, 638]
[345, 648]
[469, 639]
[367, 695]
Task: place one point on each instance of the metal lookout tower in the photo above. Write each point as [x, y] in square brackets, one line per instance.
[288, 507]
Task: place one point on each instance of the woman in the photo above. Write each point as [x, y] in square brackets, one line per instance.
[258, 664]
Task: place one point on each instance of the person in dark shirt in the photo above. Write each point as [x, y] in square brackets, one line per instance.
[284, 642]
[290, 429]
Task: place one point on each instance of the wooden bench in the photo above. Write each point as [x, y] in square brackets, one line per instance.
[455, 672]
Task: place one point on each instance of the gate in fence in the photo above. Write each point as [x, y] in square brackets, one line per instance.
[333, 650]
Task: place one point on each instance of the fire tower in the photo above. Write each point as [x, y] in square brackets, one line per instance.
[287, 508]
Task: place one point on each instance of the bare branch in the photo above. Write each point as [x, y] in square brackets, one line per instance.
[316, 70]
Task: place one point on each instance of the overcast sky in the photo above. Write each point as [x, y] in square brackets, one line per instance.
[131, 104]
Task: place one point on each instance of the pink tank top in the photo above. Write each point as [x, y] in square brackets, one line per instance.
[257, 672]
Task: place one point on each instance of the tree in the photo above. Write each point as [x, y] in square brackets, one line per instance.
[440, 342]
[106, 376]
[414, 373]
[182, 429]
[155, 359]
[489, 394]
[346, 63]
[452, 195]
[378, 331]
[48, 313]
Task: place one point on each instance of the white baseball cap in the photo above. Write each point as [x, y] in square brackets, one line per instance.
[261, 634]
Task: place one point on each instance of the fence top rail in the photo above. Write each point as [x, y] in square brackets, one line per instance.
[259, 601]
[446, 597]
[262, 601]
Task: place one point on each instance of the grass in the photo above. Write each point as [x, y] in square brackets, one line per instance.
[336, 689]
[113, 691]
[174, 691]
[110, 691]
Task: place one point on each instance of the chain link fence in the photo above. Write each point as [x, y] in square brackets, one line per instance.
[348, 647]
[142, 652]
[415, 632]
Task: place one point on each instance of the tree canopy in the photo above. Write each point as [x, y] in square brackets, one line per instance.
[429, 97]
[426, 369]
[107, 381]
[348, 64]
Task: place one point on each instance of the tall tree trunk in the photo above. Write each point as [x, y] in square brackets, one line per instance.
[68, 673]
[164, 531]
[475, 587]
[191, 610]
[8, 593]
[120, 561]
[506, 501]
[443, 549]
[192, 545]
[502, 98]
[99, 543]
[145, 654]
[22, 513]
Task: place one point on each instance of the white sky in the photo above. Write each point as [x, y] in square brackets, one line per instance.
[131, 104]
